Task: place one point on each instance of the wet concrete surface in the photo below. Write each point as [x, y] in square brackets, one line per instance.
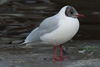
[42, 55]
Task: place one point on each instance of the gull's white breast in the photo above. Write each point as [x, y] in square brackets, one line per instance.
[66, 30]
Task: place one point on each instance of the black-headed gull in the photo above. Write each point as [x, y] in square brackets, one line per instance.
[57, 29]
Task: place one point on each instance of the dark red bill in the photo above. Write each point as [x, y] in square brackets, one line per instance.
[80, 15]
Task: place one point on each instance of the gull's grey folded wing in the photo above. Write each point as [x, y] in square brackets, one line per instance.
[48, 25]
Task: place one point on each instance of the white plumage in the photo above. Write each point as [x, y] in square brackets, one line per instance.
[55, 30]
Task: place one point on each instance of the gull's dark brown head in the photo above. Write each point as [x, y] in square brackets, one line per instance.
[71, 12]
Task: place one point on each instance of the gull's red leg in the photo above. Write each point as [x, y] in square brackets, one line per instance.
[56, 59]
[61, 53]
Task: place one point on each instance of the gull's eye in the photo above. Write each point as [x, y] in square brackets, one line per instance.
[71, 12]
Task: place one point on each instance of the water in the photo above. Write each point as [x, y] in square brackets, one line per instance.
[19, 17]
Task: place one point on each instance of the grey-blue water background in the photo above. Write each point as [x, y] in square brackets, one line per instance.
[19, 17]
